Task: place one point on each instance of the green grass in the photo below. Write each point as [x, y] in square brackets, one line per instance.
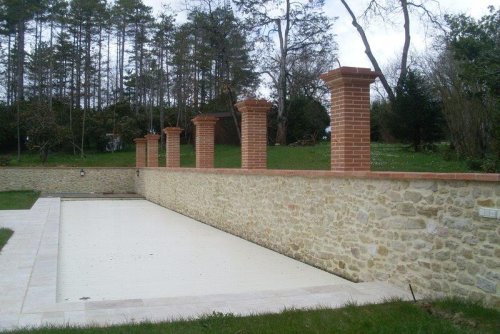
[397, 157]
[391, 317]
[385, 157]
[18, 200]
[91, 159]
[15, 200]
[5, 234]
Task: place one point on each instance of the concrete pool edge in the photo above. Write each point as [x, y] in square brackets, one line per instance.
[39, 306]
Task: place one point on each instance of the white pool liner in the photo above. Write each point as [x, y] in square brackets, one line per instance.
[130, 249]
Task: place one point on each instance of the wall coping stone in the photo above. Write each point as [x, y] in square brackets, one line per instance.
[204, 119]
[140, 140]
[350, 72]
[172, 130]
[253, 105]
[490, 177]
[64, 167]
[152, 136]
[341, 174]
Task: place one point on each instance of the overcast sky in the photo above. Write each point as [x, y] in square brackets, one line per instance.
[385, 40]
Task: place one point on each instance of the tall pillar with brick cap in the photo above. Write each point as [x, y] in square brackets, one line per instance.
[140, 152]
[152, 150]
[253, 133]
[173, 154]
[205, 137]
[350, 117]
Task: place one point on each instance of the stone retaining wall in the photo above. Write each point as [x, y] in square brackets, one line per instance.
[98, 180]
[363, 227]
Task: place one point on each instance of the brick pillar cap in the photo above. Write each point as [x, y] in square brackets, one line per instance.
[204, 119]
[140, 140]
[152, 136]
[350, 72]
[254, 105]
[173, 130]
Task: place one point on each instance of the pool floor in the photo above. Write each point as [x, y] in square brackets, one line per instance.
[126, 249]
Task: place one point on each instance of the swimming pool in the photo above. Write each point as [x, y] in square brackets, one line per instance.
[125, 249]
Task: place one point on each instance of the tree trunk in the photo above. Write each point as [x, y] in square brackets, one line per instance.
[83, 134]
[9, 69]
[136, 64]
[122, 56]
[99, 56]
[406, 46]
[20, 82]
[160, 96]
[108, 70]
[20, 60]
[51, 65]
[78, 68]
[87, 65]
[35, 63]
[282, 92]
[232, 108]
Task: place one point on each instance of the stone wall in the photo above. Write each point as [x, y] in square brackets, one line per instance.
[118, 180]
[400, 227]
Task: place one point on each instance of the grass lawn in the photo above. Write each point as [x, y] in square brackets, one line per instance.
[15, 200]
[385, 157]
[18, 200]
[450, 316]
[5, 234]
[397, 157]
[58, 159]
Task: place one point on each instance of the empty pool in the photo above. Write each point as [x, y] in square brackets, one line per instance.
[127, 249]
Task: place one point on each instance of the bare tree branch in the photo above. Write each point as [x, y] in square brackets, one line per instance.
[369, 52]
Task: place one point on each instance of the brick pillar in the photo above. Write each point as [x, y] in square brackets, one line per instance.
[140, 152]
[152, 151]
[350, 117]
[173, 154]
[253, 133]
[205, 136]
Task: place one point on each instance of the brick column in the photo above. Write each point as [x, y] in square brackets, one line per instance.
[253, 133]
[350, 117]
[205, 136]
[140, 152]
[152, 151]
[173, 154]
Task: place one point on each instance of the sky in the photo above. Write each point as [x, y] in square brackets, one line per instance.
[385, 39]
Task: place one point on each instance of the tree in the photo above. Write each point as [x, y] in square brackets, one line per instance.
[416, 116]
[296, 25]
[384, 9]
[160, 67]
[467, 77]
[42, 129]
[306, 66]
[16, 13]
[380, 112]
[223, 57]
[84, 15]
[308, 119]
[162, 49]
[211, 62]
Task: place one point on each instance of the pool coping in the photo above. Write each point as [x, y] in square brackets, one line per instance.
[32, 300]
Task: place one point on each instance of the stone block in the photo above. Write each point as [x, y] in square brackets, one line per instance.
[412, 196]
[486, 285]
[406, 209]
